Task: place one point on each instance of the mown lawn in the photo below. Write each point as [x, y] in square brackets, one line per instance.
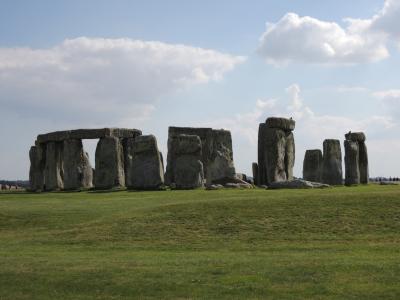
[339, 243]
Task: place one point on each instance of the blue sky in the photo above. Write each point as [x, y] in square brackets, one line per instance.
[152, 64]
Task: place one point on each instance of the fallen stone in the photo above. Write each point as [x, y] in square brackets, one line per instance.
[109, 171]
[297, 184]
[144, 168]
[213, 187]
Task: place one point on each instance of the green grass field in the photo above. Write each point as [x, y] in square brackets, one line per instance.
[339, 243]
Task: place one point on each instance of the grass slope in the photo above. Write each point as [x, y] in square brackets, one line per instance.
[229, 244]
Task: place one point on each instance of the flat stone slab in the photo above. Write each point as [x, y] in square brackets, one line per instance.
[297, 184]
[82, 134]
[355, 136]
[281, 123]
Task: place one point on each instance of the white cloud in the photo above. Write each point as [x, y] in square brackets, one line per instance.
[309, 40]
[90, 80]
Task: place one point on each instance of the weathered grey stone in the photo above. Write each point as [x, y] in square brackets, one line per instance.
[351, 162]
[355, 136]
[281, 123]
[312, 165]
[363, 163]
[37, 156]
[144, 168]
[276, 150]
[214, 187]
[289, 155]
[78, 173]
[59, 136]
[297, 184]
[272, 166]
[255, 173]
[54, 173]
[238, 185]
[186, 168]
[217, 156]
[220, 162]
[109, 171]
[332, 163]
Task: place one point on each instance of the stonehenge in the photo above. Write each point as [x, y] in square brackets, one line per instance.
[197, 157]
[276, 151]
[356, 159]
[332, 163]
[312, 165]
[216, 153]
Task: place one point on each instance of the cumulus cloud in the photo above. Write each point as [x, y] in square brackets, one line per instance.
[86, 80]
[309, 40]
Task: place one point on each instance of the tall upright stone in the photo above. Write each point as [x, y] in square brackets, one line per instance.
[186, 168]
[143, 165]
[332, 163]
[109, 159]
[255, 173]
[217, 154]
[351, 162]
[362, 160]
[37, 156]
[54, 173]
[276, 150]
[220, 162]
[78, 173]
[312, 165]
[363, 163]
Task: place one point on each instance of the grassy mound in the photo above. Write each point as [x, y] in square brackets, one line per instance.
[226, 244]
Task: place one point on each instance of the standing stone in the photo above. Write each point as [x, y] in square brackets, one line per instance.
[186, 168]
[109, 164]
[255, 173]
[144, 168]
[289, 155]
[54, 173]
[78, 172]
[37, 156]
[359, 138]
[363, 163]
[217, 154]
[220, 164]
[332, 163]
[276, 150]
[312, 165]
[351, 162]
